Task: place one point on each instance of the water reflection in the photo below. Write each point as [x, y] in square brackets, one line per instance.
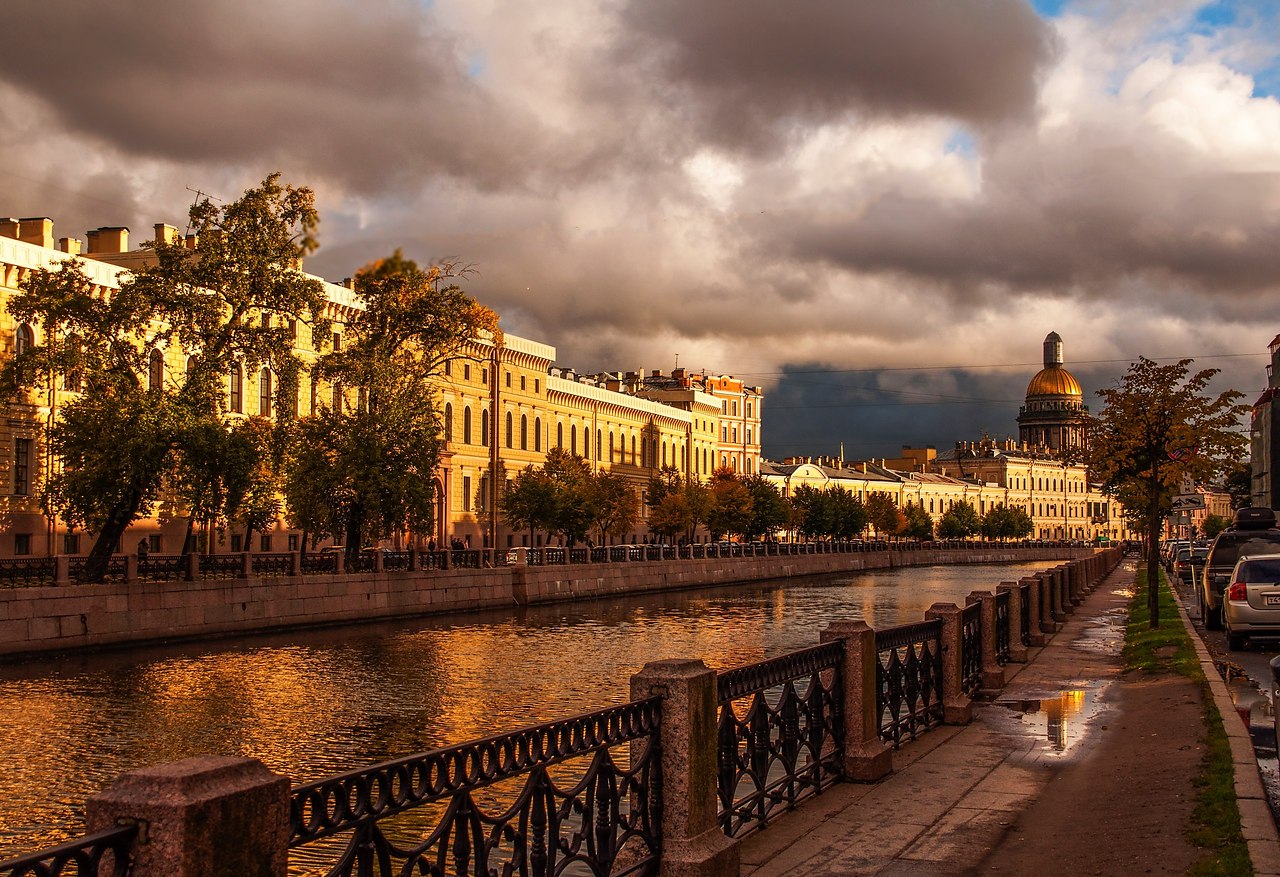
[310, 704]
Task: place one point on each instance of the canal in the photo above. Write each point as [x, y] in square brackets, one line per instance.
[320, 702]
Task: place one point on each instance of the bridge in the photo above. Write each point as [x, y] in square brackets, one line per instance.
[680, 780]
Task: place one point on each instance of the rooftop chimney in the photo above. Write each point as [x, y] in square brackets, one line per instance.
[9, 227]
[36, 230]
[70, 246]
[108, 239]
[165, 234]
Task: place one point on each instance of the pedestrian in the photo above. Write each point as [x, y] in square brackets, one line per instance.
[144, 548]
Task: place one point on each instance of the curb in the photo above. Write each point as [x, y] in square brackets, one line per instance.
[1256, 822]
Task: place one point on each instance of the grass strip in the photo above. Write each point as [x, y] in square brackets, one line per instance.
[1215, 824]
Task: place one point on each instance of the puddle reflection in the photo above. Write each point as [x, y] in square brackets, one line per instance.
[1058, 720]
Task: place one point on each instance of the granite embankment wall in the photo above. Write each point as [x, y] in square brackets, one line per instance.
[69, 618]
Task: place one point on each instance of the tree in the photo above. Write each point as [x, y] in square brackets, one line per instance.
[1004, 522]
[847, 517]
[382, 430]
[1239, 484]
[919, 522]
[731, 510]
[616, 505]
[813, 511]
[574, 510]
[1212, 525]
[230, 297]
[769, 511]
[1158, 427]
[883, 514]
[529, 501]
[959, 522]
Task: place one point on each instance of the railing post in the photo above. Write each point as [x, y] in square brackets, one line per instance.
[992, 672]
[193, 566]
[130, 567]
[957, 708]
[295, 563]
[62, 570]
[1017, 651]
[1052, 600]
[340, 562]
[693, 845]
[866, 757]
[377, 560]
[201, 817]
[246, 564]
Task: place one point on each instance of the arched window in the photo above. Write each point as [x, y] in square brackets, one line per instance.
[524, 433]
[586, 442]
[559, 435]
[264, 392]
[448, 422]
[537, 433]
[237, 389]
[510, 439]
[664, 453]
[599, 442]
[337, 397]
[573, 439]
[484, 427]
[610, 446]
[633, 449]
[155, 371]
[23, 339]
[71, 381]
[466, 425]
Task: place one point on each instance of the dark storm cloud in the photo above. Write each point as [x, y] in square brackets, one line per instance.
[749, 69]
[361, 93]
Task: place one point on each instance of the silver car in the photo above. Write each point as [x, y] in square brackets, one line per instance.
[1252, 600]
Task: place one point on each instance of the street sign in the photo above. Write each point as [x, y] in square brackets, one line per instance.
[1185, 502]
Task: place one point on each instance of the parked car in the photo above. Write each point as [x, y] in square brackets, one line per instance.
[1253, 531]
[1189, 564]
[1252, 604]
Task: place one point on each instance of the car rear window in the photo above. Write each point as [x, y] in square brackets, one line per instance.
[1230, 546]
[1255, 571]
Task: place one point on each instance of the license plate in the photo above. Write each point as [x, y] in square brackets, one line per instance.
[1271, 600]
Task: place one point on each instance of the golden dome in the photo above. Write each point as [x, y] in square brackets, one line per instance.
[1054, 380]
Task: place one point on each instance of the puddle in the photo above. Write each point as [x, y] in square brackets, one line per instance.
[1103, 635]
[1058, 719]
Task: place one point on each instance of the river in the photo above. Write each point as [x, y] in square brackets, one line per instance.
[314, 703]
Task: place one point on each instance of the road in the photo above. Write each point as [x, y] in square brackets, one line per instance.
[1248, 675]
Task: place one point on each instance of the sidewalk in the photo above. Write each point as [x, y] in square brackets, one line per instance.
[1070, 770]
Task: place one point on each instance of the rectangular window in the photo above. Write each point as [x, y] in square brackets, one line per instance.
[522, 382]
[466, 371]
[264, 542]
[337, 341]
[466, 493]
[236, 539]
[21, 544]
[153, 543]
[21, 467]
[484, 376]
[70, 543]
[536, 384]
[293, 541]
[508, 379]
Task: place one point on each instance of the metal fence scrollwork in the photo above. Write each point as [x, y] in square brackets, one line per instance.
[908, 680]
[784, 741]
[590, 803]
[1025, 587]
[1003, 643]
[101, 854]
[971, 649]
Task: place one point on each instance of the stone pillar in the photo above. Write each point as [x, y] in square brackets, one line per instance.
[295, 563]
[866, 757]
[415, 562]
[1017, 651]
[246, 564]
[1054, 600]
[62, 570]
[193, 566]
[992, 672]
[206, 816]
[520, 558]
[131, 567]
[692, 843]
[377, 560]
[340, 561]
[1041, 612]
[957, 709]
[446, 558]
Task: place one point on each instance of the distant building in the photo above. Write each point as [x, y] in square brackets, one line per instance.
[1264, 437]
[1053, 416]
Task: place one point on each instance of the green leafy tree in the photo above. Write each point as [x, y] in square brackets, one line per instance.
[847, 517]
[529, 501]
[813, 511]
[1005, 522]
[1157, 427]
[883, 514]
[615, 503]
[919, 522]
[251, 466]
[383, 433]
[960, 522]
[730, 510]
[769, 511]
[1239, 484]
[665, 481]
[575, 511]
[1212, 525]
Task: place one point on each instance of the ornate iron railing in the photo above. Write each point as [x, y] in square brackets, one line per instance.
[784, 741]
[270, 565]
[364, 561]
[1025, 587]
[27, 571]
[908, 680]
[395, 560]
[319, 563]
[162, 567]
[101, 854]
[606, 821]
[579, 555]
[971, 648]
[221, 566]
[1002, 627]
[117, 569]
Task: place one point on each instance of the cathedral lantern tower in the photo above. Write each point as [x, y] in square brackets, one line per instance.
[1054, 413]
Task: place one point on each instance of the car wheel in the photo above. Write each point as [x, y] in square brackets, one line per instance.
[1236, 641]
[1213, 617]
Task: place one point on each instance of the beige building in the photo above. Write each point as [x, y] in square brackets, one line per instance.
[502, 408]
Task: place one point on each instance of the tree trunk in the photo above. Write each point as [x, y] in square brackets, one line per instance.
[1153, 553]
[118, 520]
[355, 526]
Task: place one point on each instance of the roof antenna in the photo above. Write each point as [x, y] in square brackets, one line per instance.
[199, 194]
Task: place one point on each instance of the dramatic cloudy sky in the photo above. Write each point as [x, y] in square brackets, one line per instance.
[874, 210]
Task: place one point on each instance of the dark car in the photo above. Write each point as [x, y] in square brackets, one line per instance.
[1189, 564]
[1252, 531]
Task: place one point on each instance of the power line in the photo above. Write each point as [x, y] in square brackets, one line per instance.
[1008, 365]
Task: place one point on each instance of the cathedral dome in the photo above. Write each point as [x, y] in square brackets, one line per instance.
[1054, 380]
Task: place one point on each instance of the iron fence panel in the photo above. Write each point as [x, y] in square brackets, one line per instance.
[908, 680]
